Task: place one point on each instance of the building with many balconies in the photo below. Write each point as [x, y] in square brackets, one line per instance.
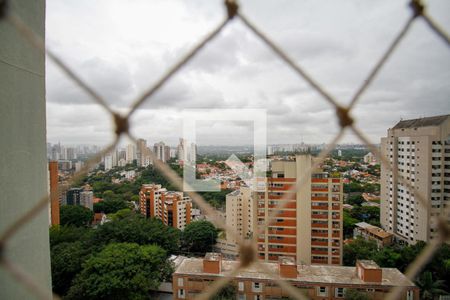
[309, 225]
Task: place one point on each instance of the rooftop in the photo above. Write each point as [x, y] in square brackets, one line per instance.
[421, 122]
[373, 229]
[306, 273]
[234, 193]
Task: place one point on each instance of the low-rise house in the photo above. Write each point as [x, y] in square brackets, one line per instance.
[194, 275]
[370, 232]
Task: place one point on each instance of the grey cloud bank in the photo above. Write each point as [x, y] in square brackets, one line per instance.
[122, 47]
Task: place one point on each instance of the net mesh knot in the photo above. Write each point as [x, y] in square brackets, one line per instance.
[121, 124]
[343, 114]
[247, 252]
[418, 7]
[232, 8]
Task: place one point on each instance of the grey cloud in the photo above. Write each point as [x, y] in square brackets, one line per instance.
[336, 43]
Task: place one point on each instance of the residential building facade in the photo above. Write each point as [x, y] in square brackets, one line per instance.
[309, 226]
[162, 152]
[194, 275]
[172, 208]
[240, 214]
[418, 151]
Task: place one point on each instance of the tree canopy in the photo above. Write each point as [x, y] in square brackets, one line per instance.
[199, 237]
[110, 206]
[136, 229]
[122, 271]
[75, 215]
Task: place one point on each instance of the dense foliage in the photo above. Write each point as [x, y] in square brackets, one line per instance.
[137, 229]
[72, 247]
[199, 237]
[87, 261]
[398, 256]
[110, 206]
[75, 215]
[216, 199]
[121, 271]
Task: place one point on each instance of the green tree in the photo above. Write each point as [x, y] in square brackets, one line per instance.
[388, 257]
[136, 229]
[355, 200]
[121, 214]
[358, 249]
[67, 234]
[122, 271]
[110, 206]
[429, 288]
[75, 215]
[352, 294]
[349, 224]
[199, 237]
[353, 187]
[66, 261]
[367, 214]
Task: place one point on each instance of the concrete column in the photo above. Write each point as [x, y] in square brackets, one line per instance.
[23, 171]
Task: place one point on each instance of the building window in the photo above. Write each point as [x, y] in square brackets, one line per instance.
[410, 295]
[241, 286]
[241, 296]
[181, 293]
[256, 287]
[339, 292]
[180, 281]
[322, 291]
[258, 297]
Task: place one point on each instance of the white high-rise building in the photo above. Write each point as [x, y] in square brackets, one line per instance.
[186, 152]
[108, 160]
[419, 152]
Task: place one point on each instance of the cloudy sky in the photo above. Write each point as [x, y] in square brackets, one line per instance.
[122, 47]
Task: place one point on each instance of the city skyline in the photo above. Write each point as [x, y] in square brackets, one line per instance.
[122, 56]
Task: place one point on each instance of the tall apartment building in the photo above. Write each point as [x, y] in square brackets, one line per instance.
[186, 151]
[172, 208]
[162, 152]
[73, 196]
[419, 152]
[141, 151]
[130, 153]
[240, 213]
[54, 193]
[309, 227]
[194, 275]
[86, 199]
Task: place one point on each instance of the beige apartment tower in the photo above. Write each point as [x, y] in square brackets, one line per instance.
[419, 152]
[240, 214]
[309, 227]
